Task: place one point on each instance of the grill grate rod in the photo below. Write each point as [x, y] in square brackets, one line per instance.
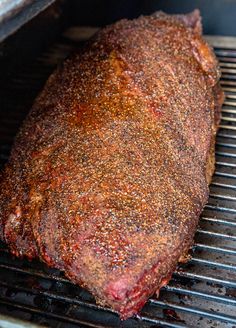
[223, 185]
[230, 96]
[227, 164]
[213, 263]
[230, 70]
[207, 278]
[224, 64]
[195, 311]
[220, 208]
[229, 103]
[226, 197]
[34, 273]
[227, 89]
[219, 221]
[228, 110]
[215, 234]
[225, 154]
[224, 250]
[225, 174]
[225, 53]
[224, 144]
[225, 135]
[230, 60]
[227, 82]
[228, 127]
[228, 76]
[229, 119]
[191, 292]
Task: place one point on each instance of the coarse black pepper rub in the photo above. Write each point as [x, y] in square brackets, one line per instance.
[110, 170]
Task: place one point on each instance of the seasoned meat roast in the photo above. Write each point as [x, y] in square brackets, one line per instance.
[109, 173]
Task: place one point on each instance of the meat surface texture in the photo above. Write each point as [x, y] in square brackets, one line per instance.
[109, 173]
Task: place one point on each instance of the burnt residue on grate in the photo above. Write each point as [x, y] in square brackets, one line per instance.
[202, 293]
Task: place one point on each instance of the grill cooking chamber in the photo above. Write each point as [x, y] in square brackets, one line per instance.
[202, 293]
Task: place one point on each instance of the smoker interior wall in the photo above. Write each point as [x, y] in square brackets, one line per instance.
[32, 38]
[219, 16]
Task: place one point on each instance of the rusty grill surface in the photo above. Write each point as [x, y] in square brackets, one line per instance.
[202, 293]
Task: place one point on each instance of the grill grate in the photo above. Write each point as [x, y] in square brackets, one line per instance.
[202, 293]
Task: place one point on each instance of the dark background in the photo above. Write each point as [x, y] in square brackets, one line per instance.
[219, 16]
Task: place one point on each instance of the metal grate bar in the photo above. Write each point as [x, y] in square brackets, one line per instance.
[224, 250]
[226, 82]
[227, 59]
[195, 311]
[229, 119]
[220, 196]
[223, 64]
[207, 278]
[226, 53]
[224, 144]
[225, 154]
[216, 234]
[191, 292]
[220, 208]
[224, 185]
[230, 103]
[161, 322]
[225, 175]
[219, 221]
[33, 272]
[228, 70]
[227, 164]
[230, 96]
[230, 111]
[227, 127]
[227, 89]
[228, 76]
[225, 135]
[213, 263]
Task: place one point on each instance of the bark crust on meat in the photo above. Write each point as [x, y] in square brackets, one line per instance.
[109, 173]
